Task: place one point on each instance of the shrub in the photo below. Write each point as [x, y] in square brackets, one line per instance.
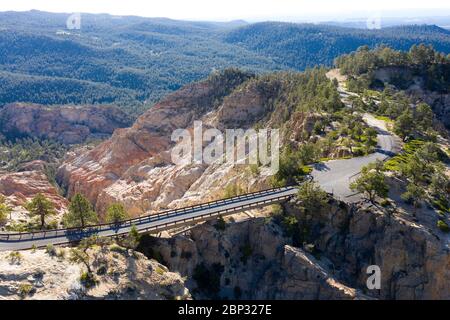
[186, 255]
[208, 278]
[246, 251]
[61, 253]
[25, 289]
[50, 249]
[160, 271]
[102, 270]
[311, 197]
[237, 292]
[88, 280]
[441, 205]
[15, 257]
[233, 190]
[220, 225]
[290, 225]
[385, 203]
[443, 226]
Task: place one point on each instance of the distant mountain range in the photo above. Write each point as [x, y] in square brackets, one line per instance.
[133, 61]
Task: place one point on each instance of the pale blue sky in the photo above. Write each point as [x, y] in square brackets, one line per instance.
[235, 9]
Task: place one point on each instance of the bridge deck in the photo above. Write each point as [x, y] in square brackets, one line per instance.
[152, 223]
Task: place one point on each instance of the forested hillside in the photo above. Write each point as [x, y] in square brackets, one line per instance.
[420, 61]
[418, 75]
[133, 61]
[300, 46]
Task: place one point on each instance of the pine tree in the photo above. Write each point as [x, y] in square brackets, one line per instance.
[41, 207]
[371, 182]
[5, 210]
[80, 213]
[133, 238]
[116, 213]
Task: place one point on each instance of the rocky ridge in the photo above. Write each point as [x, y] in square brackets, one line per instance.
[66, 124]
[20, 187]
[41, 275]
[254, 259]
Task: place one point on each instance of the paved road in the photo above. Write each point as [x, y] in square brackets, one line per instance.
[335, 176]
[153, 223]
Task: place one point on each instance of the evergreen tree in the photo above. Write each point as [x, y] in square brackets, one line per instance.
[404, 126]
[5, 210]
[311, 197]
[80, 213]
[40, 207]
[116, 213]
[371, 182]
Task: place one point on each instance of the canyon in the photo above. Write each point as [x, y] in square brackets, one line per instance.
[66, 124]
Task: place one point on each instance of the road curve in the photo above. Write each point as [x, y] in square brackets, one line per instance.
[335, 176]
[152, 223]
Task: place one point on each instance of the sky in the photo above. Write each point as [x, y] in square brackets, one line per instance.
[225, 10]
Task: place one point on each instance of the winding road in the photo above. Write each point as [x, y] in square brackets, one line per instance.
[335, 176]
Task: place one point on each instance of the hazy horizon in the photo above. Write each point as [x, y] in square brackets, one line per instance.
[251, 10]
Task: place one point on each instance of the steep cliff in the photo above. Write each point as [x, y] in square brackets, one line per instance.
[256, 258]
[20, 187]
[135, 167]
[67, 124]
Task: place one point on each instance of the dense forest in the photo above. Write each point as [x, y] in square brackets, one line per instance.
[133, 61]
[421, 60]
[299, 46]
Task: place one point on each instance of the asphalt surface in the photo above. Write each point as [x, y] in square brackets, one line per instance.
[335, 176]
[152, 223]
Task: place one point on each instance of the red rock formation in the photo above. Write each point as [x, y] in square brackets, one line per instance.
[20, 187]
[67, 124]
[134, 166]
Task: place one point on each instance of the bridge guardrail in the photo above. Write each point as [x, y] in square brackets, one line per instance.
[140, 220]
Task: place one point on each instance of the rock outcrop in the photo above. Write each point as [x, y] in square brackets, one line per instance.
[20, 187]
[255, 260]
[134, 166]
[248, 260]
[440, 102]
[120, 275]
[67, 124]
[412, 252]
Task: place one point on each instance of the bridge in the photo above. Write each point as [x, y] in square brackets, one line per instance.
[155, 223]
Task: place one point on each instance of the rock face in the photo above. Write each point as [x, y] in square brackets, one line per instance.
[249, 260]
[67, 124]
[412, 254]
[438, 101]
[120, 275]
[134, 166]
[254, 260]
[20, 187]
